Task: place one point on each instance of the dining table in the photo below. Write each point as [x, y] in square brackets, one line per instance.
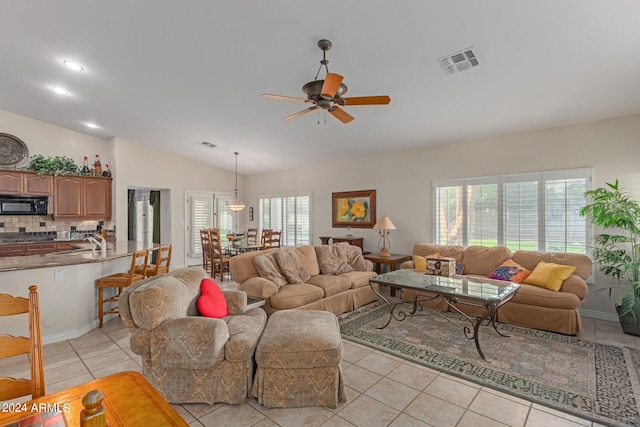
[129, 400]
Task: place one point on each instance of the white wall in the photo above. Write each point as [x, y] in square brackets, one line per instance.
[403, 180]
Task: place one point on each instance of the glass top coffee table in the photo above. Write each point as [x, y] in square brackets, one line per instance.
[454, 290]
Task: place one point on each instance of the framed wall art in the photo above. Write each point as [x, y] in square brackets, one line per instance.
[356, 209]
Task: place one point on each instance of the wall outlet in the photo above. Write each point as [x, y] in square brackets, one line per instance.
[53, 228]
[58, 275]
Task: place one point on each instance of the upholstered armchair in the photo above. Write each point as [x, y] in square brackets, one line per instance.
[190, 358]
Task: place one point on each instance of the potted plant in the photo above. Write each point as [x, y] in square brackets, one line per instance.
[58, 165]
[618, 253]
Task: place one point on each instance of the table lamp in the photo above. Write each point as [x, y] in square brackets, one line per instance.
[383, 226]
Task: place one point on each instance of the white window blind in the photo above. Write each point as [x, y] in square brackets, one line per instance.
[290, 214]
[201, 218]
[529, 211]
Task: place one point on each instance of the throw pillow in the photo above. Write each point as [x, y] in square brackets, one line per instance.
[211, 302]
[291, 267]
[549, 275]
[332, 259]
[459, 268]
[511, 271]
[355, 258]
[420, 262]
[267, 267]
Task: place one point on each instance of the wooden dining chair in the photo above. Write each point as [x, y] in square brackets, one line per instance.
[207, 252]
[139, 261]
[161, 265]
[11, 388]
[272, 240]
[219, 260]
[265, 232]
[252, 236]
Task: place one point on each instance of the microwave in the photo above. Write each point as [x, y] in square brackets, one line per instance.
[24, 205]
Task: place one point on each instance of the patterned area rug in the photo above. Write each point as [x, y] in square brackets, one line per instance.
[591, 380]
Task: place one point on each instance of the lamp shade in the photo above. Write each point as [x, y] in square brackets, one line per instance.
[384, 223]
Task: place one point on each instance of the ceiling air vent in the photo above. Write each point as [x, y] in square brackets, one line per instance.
[459, 61]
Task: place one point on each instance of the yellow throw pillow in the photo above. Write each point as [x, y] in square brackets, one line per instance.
[420, 262]
[549, 275]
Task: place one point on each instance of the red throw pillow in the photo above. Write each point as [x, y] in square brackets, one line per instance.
[211, 302]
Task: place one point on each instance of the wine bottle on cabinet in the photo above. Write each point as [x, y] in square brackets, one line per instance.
[97, 166]
[106, 172]
[85, 167]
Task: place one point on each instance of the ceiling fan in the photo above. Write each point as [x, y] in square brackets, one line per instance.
[328, 94]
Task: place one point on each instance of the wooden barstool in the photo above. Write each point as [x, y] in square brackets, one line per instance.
[161, 266]
[11, 388]
[121, 280]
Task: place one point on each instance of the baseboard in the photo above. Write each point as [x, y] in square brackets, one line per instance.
[600, 315]
[69, 335]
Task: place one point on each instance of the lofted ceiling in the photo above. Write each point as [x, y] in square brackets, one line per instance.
[172, 74]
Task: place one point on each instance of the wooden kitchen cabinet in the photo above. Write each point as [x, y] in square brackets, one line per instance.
[40, 248]
[65, 246]
[82, 197]
[17, 249]
[20, 183]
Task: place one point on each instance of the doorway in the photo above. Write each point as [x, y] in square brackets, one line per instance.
[149, 215]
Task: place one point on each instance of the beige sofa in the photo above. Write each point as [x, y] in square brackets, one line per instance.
[187, 357]
[533, 306]
[337, 293]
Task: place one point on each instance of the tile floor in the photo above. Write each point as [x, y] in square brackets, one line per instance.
[382, 390]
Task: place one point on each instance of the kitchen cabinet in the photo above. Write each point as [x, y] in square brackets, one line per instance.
[65, 246]
[82, 197]
[17, 249]
[25, 183]
[40, 248]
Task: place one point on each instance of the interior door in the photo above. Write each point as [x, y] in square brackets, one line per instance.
[200, 215]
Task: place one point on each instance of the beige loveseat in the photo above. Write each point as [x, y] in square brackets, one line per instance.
[336, 277]
[533, 306]
[187, 357]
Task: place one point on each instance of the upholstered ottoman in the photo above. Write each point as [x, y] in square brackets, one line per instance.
[298, 360]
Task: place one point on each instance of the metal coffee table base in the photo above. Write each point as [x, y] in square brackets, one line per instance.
[397, 312]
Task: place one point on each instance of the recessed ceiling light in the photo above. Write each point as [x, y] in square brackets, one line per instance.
[92, 125]
[208, 144]
[60, 90]
[73, 65]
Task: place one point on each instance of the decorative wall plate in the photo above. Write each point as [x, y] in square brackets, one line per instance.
[12, 150]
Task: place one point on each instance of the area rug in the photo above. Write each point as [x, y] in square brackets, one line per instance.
[595, 381]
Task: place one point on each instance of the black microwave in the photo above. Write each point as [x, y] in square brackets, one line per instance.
[24, 205]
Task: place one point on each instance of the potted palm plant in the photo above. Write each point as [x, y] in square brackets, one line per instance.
[617, 249]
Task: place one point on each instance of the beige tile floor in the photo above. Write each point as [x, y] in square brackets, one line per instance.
[382, 390]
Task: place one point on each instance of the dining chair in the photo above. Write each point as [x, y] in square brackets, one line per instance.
[252, 236]
[207, 255]
[219, 260]
[265, 232]
[139, 261]
[161, 264]
[11, 388]
[272, 240]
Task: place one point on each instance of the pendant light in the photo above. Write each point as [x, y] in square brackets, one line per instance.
[236, 205]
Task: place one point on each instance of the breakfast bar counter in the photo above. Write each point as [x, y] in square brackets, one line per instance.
[81, 255]
[66, 284]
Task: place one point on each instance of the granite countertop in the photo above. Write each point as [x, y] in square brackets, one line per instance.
[82, 255]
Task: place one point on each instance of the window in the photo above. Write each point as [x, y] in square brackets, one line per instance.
[290, 214]
[529, 211]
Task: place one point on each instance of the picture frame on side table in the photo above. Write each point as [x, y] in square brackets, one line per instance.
[356, 209]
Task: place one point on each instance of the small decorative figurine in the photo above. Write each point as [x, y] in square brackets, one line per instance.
[85, 167]
[97, 166]
[106, 171]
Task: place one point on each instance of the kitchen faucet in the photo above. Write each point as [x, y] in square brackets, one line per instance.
[102, 244]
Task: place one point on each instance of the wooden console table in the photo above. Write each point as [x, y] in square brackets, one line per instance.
[129, 400]
[355, 241]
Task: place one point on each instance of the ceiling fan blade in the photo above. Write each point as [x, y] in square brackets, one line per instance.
[331, 85]
[301, 113]
[284, 98]
[367, 100]
[341, 115]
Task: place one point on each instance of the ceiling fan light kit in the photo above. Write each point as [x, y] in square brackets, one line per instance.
[328, 94]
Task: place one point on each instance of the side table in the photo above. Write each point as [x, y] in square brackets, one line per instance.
[393, 261]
